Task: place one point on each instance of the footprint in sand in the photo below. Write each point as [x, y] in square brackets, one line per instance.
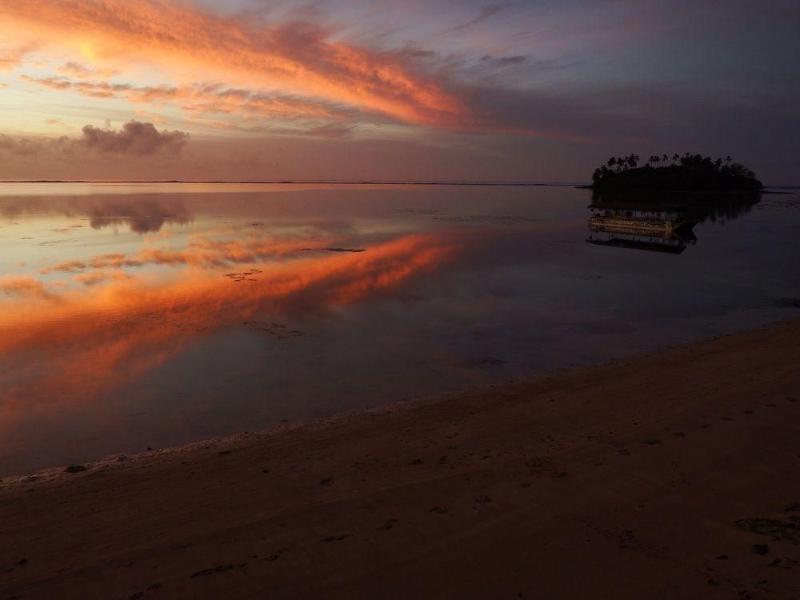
[388, 525]
[217, 569]
[276, 555]
[760, 549]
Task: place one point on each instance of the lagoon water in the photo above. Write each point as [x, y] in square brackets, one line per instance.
[137, 316]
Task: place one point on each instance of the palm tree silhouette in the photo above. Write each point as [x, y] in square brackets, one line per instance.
[699, 171]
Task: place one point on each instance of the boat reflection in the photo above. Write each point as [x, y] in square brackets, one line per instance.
[659, 223]
[641, 229]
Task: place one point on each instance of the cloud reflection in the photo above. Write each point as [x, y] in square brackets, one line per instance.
[142, 215]
[79, 343]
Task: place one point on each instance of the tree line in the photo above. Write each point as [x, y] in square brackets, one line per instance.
[690, 169]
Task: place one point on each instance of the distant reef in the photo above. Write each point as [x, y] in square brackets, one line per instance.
[690, 172]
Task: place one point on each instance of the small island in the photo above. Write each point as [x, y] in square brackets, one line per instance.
[690, 172]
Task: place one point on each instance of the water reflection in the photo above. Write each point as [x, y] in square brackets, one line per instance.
[142, 215]
[153, 319]
[97, 338]
[659, 222]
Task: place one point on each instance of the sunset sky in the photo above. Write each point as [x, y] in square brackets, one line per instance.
[520, 90]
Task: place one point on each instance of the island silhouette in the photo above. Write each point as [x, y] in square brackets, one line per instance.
[690, 172]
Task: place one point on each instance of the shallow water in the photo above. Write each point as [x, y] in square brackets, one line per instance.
[136, 316]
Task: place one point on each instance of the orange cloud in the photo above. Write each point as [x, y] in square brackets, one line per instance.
[297, 57]
[98, 277]
[11, 58]
[24, 287]
[209, 98]
[82, 71]
[71, 266]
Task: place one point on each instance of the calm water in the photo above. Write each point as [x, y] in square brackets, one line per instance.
[135, 316]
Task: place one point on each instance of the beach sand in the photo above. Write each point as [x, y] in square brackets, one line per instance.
[674, 475]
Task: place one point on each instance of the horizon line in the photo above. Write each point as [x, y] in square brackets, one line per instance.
[329, 182]
[299, 182]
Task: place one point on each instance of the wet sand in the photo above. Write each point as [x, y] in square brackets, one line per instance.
[675, 475]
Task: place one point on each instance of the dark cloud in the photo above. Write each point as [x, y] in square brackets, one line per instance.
[678, 116]
[135, 139]
[487, 12]
[552, 115]
[19, 146]
[503, 61]
[33, 147]
[141, 139]
[332, 130]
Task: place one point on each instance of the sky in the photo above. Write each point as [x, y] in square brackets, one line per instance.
[407, 90]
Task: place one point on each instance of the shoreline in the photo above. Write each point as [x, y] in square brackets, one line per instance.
[59, 472]
[629, 479]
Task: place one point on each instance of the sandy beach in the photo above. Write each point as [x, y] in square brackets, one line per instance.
[673, 475]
